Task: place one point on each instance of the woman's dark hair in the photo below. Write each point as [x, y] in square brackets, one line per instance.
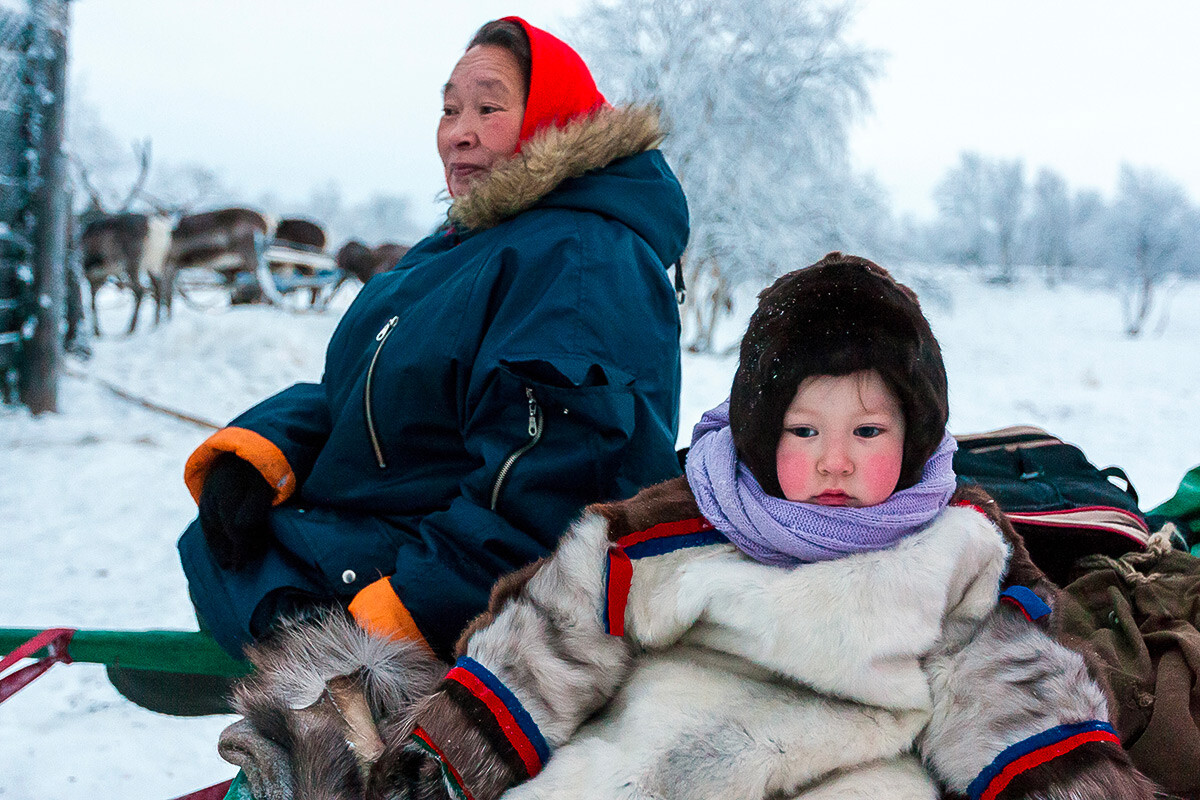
[839, 316]
[512, 37]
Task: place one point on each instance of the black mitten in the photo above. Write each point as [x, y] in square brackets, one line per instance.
[235, 504]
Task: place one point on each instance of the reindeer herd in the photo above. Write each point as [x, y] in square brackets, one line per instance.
[253, 255]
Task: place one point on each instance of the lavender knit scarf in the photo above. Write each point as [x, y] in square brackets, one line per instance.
[777, 531]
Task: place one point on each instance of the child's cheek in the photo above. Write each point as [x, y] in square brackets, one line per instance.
[879, 474]
[793, 468]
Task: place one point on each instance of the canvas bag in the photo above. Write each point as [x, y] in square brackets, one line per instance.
[1061, 503]
[1136, 618]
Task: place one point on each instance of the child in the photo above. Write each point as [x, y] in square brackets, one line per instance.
[806, 614]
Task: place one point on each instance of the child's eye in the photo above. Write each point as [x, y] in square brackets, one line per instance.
[867, 431]
[447, 111]
[489, 109]
[803, 431]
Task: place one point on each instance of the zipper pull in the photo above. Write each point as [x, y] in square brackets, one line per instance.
[383, 332]
[533, 409]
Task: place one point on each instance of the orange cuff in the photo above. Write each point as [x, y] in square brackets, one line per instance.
[260, 451]
[378, 610]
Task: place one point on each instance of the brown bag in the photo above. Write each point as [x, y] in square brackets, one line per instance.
[1139, 616]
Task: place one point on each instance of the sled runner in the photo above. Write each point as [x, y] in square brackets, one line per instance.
[180, 672]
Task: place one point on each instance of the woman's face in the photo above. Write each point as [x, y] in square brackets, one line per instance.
[483, 106]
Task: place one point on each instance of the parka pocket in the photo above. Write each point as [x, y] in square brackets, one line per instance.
[349, 550]
[576, 425]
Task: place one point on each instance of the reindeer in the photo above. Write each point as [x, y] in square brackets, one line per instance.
[132, 249]
[126, 247]
[362, 262]
[228, 241]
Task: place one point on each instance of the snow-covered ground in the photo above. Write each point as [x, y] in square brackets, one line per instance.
[92, 500]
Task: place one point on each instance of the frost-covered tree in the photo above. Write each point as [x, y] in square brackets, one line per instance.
[1050, 223]
[1151, 226]
[110, 176]
[961, 198]
[382, 218]
[1089, 237]
[758, 98]
[980, 203]
[1005, 192]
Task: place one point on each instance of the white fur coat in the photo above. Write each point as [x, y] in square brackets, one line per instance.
[735, 679]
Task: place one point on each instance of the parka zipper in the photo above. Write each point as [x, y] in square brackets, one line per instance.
[535, 433]
[380, 337]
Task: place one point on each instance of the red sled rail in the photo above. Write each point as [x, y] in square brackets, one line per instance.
[56, 644]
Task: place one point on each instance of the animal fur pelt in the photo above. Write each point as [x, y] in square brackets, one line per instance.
[551, 157]
[1001, 683]
[738, 680]
[320, 692]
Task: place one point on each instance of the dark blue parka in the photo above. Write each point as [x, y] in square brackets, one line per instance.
[511, 369]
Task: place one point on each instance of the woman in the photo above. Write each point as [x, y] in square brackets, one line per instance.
[517, 364]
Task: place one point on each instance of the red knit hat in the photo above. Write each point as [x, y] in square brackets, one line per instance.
[561, 86]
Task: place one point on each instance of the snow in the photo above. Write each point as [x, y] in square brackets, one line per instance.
[91, 498]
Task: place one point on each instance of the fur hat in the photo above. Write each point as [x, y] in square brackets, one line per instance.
[841, 315]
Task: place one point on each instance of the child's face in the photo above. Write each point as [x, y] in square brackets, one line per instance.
[842, 441]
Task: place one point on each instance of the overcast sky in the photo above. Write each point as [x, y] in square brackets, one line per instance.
[280, 96]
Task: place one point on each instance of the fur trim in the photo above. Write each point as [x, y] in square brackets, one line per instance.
[1010, 682]
[320, 688]
[1095, 771]
[553, 156]
[295, 665]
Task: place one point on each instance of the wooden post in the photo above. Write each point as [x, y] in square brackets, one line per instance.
[43, 352]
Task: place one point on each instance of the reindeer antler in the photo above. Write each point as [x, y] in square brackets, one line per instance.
[96, 200]
[142, 151]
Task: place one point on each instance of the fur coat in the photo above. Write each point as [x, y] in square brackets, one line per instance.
[653, 659]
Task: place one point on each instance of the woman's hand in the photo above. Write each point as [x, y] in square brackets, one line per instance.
[235, 505]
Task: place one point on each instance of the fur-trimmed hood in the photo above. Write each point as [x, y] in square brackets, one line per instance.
[547, 172]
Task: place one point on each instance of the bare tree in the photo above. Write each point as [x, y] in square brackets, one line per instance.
[1150, 225]
[980, 203]
[759, 98]
[1005, 203]
[1050, 224]
[961, 198]
[1090, 246]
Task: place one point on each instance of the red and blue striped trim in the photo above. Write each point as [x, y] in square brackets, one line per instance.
[1032, 606]
[976, 506]
[1035, 751]
[657, 540]
[667, 537]
[518, 727]
[453, 780]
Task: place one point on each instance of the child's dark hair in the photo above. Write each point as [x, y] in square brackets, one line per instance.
[842, 315]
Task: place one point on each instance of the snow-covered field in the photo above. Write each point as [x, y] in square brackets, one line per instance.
[92, 500]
